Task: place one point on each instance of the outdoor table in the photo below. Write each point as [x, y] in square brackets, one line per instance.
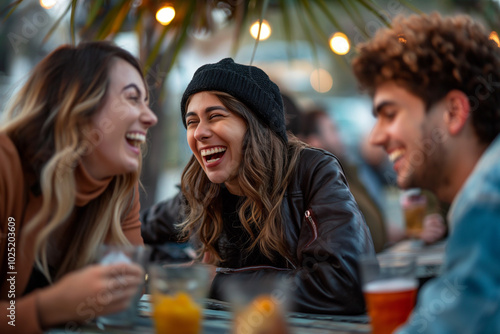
[218, 320]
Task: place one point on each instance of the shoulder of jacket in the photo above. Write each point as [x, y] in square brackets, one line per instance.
[311, 155]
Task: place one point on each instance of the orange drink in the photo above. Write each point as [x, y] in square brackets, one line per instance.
[389, 303]
[176, 314]
[262, 316]
[177, 292]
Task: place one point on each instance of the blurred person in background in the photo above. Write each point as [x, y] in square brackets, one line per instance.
[434, 83]
[258, 203]
[317, 129]
[70, 147]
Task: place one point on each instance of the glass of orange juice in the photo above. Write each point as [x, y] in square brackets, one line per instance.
[177, 293]
[390, 289]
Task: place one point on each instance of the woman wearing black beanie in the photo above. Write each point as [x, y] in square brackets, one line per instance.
[261, 203]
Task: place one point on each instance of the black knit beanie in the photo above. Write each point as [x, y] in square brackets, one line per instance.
[249, 84]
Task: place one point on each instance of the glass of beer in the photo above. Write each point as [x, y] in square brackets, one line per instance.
[390, 289]
[414, 205]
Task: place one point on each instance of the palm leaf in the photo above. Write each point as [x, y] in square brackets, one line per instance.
[100, 25]
[56, 24]
[72, 20]
[93, 12]
[12, 7]
[261, 19]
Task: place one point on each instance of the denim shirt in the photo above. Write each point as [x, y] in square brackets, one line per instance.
[466, 297]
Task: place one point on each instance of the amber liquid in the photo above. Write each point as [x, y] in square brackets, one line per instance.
[262, 316]
[177, 314]
[390, 303]
[414, 216]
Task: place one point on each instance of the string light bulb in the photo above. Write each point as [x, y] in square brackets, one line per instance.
[339, 43]
[165, 15]
[48, 4]
[265, 30]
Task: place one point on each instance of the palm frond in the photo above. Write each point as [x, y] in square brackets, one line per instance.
[104, 19]
[263, 10]
[10, 8]
[58, 21]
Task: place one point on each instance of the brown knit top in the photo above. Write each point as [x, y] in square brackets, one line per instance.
[18, 205]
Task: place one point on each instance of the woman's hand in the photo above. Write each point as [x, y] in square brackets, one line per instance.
[95, 290]
[434, 228]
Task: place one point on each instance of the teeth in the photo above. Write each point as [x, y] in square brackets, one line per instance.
[138, 138]
[395, 155]
[212, 151]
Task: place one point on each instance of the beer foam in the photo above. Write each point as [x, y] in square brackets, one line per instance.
[391, 285]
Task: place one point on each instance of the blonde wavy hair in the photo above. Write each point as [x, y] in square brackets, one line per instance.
[46, 121]
[263, 177]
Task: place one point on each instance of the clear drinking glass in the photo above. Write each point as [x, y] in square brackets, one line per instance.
[177, 294]
[113, 254]
[259, 305]
[414, 205]
[390, 289]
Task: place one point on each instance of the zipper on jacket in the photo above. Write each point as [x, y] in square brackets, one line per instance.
[312, 224]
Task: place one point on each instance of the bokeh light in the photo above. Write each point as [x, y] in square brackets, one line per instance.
[265, 30]
[339, 43]
[494, 37]
[165, 15]
[48, 4]
[321, 80]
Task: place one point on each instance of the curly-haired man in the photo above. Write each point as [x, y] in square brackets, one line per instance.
[435, 84]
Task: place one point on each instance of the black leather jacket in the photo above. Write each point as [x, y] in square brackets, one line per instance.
[324, 229]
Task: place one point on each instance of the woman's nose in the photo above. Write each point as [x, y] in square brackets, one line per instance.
[148, 117]
[202, 131]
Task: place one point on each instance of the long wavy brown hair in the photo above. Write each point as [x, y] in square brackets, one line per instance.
[263, 177]
[46, 122]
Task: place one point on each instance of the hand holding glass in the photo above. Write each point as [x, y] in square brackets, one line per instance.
[112, 254]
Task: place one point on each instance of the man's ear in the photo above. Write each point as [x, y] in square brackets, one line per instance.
[457, 111]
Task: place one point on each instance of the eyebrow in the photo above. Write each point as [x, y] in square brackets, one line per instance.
[133, 85]
[376, 110]
[207, 110]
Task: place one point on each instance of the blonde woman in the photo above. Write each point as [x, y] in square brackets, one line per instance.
[70, 152]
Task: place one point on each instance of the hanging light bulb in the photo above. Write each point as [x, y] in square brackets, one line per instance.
[48, 4]
[265, 30]
[165, 15]
[339, 43]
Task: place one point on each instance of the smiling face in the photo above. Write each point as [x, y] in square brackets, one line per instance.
[215, 135]
[413, 138]
[120, 126]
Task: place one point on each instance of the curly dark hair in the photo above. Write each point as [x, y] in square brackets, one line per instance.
[430, 55]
